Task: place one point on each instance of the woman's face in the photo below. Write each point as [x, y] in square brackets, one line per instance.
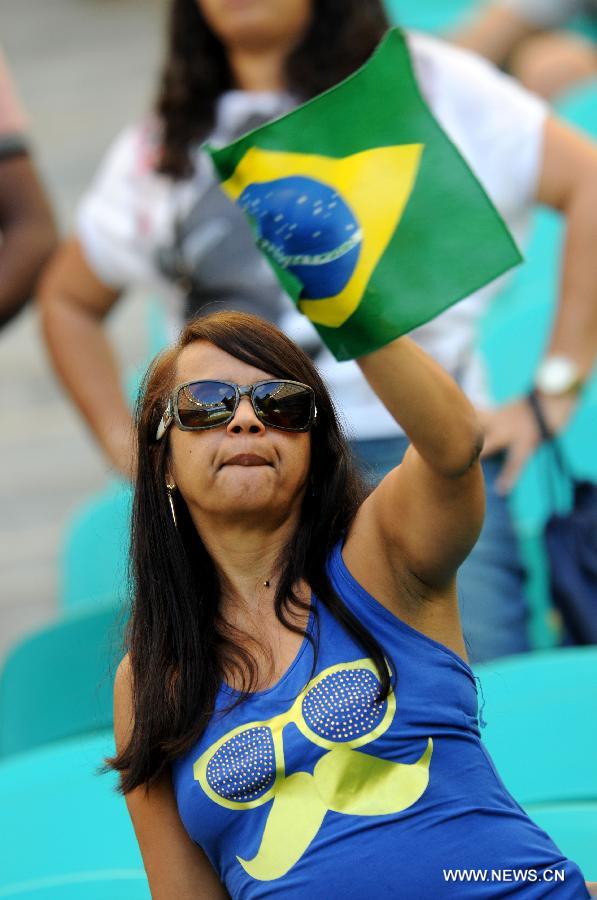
[256, 24]
[242, 469]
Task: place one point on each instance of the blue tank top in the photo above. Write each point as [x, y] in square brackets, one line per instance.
[316, 789]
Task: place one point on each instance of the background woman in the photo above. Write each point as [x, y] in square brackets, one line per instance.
[295, 715]
[155, 216]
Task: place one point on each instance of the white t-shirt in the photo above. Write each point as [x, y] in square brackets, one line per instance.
[131, 218]
[549, 13]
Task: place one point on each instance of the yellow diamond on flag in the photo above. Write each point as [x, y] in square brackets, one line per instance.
[346, 209]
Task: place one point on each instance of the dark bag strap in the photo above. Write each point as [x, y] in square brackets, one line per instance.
[557, 457]
[548, 436]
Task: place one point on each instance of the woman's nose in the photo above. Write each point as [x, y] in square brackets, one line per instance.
[245, 419]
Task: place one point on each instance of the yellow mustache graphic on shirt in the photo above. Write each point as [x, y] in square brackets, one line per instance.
[344, 781]
[339, 711]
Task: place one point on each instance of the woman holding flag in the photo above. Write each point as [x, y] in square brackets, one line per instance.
[156, 216]
[295, 716]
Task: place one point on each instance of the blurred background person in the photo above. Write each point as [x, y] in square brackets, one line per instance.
[528, 37]
[155, 216]
[49, 465]
[27, 231]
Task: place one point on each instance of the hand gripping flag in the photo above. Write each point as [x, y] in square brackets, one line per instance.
[365, 209]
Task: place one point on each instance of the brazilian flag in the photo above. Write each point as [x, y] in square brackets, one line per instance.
[365, 209]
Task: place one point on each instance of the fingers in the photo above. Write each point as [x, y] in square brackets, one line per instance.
[494, 442]
[512, 429]
[495, 438]
[516, 457]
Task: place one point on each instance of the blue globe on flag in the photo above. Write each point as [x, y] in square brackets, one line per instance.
[307, 228]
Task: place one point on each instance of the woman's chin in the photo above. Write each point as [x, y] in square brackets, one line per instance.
[246, 477]
[239, 491]
[250, 487]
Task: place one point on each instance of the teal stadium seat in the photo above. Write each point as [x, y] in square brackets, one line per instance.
[94, 565]
[57, 682]
[573, 828]
[428, 15]
[66, 833]
[541, 732]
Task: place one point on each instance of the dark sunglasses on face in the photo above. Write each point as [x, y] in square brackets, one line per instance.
[279, 403]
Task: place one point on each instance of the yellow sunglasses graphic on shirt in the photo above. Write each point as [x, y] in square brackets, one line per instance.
[339, 711]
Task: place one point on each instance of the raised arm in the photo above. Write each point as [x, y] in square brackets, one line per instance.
[425, 516]
[74, 303]
[176, 867]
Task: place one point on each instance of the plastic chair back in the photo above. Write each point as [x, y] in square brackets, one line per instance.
[95, 554]
[573, 828]
[58, 681]
[541, 714]
[66, 833]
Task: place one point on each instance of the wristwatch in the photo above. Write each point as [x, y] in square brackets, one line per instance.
[557, 376]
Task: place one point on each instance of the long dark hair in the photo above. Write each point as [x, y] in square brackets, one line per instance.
[340, 38]
[175, 635]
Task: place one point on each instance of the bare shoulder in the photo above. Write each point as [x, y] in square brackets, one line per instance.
[419, 524]
[123, 703]
[382, 568]
[123, 672]
[177, 868]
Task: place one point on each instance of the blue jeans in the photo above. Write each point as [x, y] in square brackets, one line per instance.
[493, 607]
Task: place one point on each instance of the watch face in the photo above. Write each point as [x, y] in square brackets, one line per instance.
[557, 375]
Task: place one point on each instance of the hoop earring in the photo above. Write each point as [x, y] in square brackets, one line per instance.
[170, 488]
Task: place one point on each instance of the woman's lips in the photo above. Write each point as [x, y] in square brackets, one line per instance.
[246, 459]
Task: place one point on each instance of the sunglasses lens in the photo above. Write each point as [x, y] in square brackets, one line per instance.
[284, 404]
[244, 768]
[205, 403]
[344, 705]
